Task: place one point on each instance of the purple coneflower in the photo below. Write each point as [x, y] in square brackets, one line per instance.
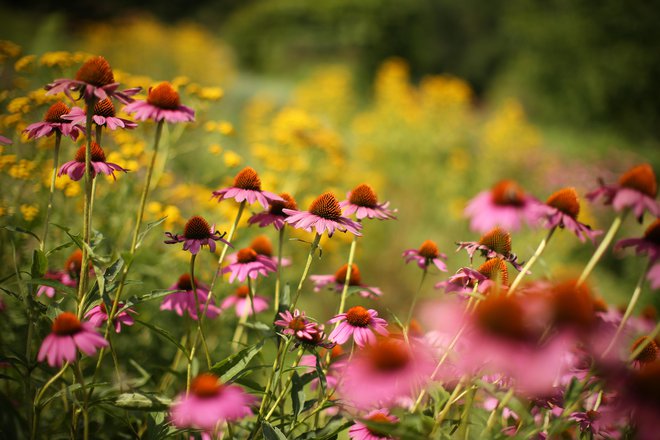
[75, 169]
[241, 302]
[274, 215]
[337, 281]
[69, 276]
[94, 81]
[263, 246]
[562, 209]
[69, 334]
[210, 403]
[297, 325]
[54, 121]
[5, 140]
[104, 114]
[649, 244]
[360, 431]
[183, 301]
[359, 323]
[496, 243]
[98, 314]
[324, 214]
[363, 202]
[426, 255]
[197, 233]
[163, 103]
[505, 205]
[492, 272]
[247, 187]
[636, 189]
[248, 263]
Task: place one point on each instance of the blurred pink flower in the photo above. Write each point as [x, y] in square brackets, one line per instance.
[247, 187]
[54, 121]
[183, 301]
[562, 209]
[69, 334]
[104, 115]
[69, 276]
[163, 103]
[336, 282]
[363, 202]
[649, 244]
[248, 263]
[5, 141]
[496, 243]
[274, 215]
[359, 323]
[426, 255]
[75, 169]
[360, 431]
[240, 300]
[98, 314]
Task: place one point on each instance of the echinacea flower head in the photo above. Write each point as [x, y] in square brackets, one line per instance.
[297, 325]
[363, 202]
[75, 169]
[240, 300]
[197, 233]
[649, 244]
[496, 243]
[248, 263]
[183, 300]
[491, 273]
[210, 403]
[98, 314]
[69, 334]
[426, 255]
[324, 214]
[275, 215]
[262, 245]
[247, 187]
[94, 81]
[649, 353]
[636, 189]
[104, 115]
[69, 276]
[360, 431]
[338, 279]
[572, 306]
[562, 209]
[163, 104]
[506, 204]
[54, 121]
[359, 323]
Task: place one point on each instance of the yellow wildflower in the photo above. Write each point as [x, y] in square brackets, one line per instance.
[19, 105]
[25, 63]
[22, 170]
[232, 159]
[210, 93]
[215, 149]
[29, 212]
[58, 58]
[226, 128]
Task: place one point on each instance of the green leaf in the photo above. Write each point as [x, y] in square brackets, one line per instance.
[320, 373]
[329, 431]
[165, 334]
[230, 367]
[271, 432]
[149, 227]
[135, 300]
[142, 402]
[68, 244]
[260, 326]
[75, 238]
[21, 231]
[68, 389]
[297, 395]
[39, 264]
[54, 284]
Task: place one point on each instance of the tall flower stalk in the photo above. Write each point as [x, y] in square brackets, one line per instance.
[602, 247]
[51, 192]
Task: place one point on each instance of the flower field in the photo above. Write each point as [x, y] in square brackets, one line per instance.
[202, 255]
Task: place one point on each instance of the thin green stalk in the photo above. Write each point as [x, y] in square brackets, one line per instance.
[56, 158]
[281, 353]
[502, 403]
[312, 251]
[240, 325]
[37, 400]
[595, 258]
[530, 263]
[443, 413]
[414, 302]
[278, 281]
[286, 385]
[81, 380]
[200, 330]
[347, 280]
[85, 292]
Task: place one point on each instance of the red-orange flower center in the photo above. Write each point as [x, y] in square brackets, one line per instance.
[565, 200]
[507, 193]
[97, 153]
[164, 96]
[96, 71]
[277, 206]
[326, 206]
[652, 233]
[297, 324]
[502, 316]
[246, 255]
[356, 278]
[358, 316]
[185, 282]
[429, 250]
[73, 264]
[640, 178]
[205, 385]
[104, 108]
[572, 305]
[197, 228]
[262, 246]
[495, 269]
[55, 112]
[66, 324]
[388, 354]
[498, 240]
[363, 195]
[242, 292]
[248, 179]
[649, 353]
[380, 418]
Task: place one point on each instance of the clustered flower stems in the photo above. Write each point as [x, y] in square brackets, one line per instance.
[278, 280]
[285, 388]
[602, 247]
[347, 281]
[312, 250]
[37, 400]
[51, 192]
[414, 302]
[200, 331]
[532, 260]
[240, 326]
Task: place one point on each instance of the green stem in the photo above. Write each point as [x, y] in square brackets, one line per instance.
[83, 299]
[414, 302]
[56, 158]
[442, 414]
[278, 281]
[312, 250]
[37, 400]
[499, 407]
[595, 258]
[530, 263]
[347, 280]
[281, 353]
[286, 385]
[200, 330]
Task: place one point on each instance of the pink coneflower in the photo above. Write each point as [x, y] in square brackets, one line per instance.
[492, 272]
[69, 276]
[385, 372]
[210, 403]
[297, 325]
[247, 263]
[274, 215]
[562, 209]
[54, 121]
[94, 81]
[68, 333]
[324, 214]
[247, 187]
[649, 353]
[359, 323]
[636, 189]
[98, 314]
[104, 115]
[333, 371]
[5, 140]
[426, 254]
[183, 301]
[505, 205]
[360, 431]
[336, 282]
[75, 169]
[649, 244]
[163, 103]
[496, 243]
[263, 246]
[654, 276]
[197, 233]
[363, 202]
[241, 302]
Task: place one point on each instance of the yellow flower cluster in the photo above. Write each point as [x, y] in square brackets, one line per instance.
[22, 170]
[29, 212]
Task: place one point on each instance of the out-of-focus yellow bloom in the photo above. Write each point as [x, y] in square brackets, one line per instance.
[59, 59]
[15, 119]
[7, 159]
[72, 189]
[215, 149]
[22, 170]
[226, 128]
[9, 49]
[210, 93]
[19, 105]
[231, 159]
[211, 126]
[25, 63]
[29, 212]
